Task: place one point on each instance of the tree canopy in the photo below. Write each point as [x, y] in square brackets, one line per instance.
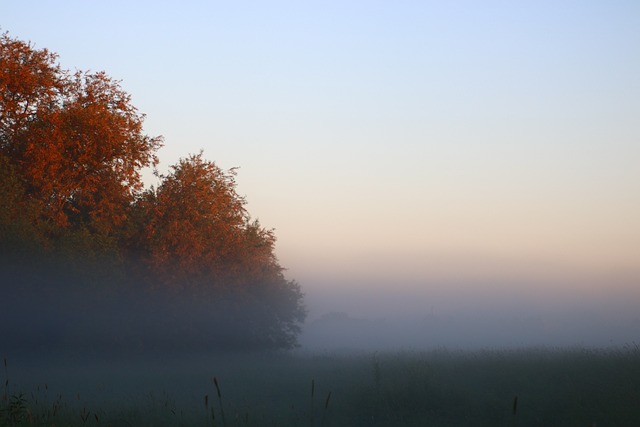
[72, 200]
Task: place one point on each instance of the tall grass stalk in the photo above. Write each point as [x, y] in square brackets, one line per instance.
[313, 387]
[206, 407]
[215, 382]
[326, 406]
[5, 395]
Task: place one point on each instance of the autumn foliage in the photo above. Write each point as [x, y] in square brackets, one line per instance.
[72, 148]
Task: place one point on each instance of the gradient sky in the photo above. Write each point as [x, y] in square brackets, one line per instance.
[490, 144]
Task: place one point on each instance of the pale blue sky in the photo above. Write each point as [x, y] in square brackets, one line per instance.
[426, 142]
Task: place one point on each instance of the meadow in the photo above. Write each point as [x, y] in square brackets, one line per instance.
[528, 387]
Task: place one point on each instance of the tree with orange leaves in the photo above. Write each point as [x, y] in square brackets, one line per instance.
[198, 242]
[193, 222]
[71, 151]
[75, 139]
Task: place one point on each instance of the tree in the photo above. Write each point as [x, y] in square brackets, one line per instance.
[75, 139]
[194, 221]
[31, 83]
[201, 244]
[19, 239]
[77, 225]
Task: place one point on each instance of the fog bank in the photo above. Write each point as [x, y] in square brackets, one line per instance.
[414, 316]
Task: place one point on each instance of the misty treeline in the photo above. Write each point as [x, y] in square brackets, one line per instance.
[90, 258]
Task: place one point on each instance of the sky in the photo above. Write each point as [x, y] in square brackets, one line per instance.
[407, 153]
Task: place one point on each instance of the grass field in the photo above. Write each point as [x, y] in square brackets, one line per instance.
[535, 387]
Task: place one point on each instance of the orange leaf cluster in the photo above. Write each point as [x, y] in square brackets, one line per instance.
[75, 138]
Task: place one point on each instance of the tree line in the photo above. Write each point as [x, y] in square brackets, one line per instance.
[77, 225]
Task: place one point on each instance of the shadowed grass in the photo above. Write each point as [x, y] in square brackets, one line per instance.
[574, 387]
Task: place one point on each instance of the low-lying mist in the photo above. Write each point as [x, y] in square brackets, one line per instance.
[471, 316]
[349, 318]
[49, 314]
[372, 355]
